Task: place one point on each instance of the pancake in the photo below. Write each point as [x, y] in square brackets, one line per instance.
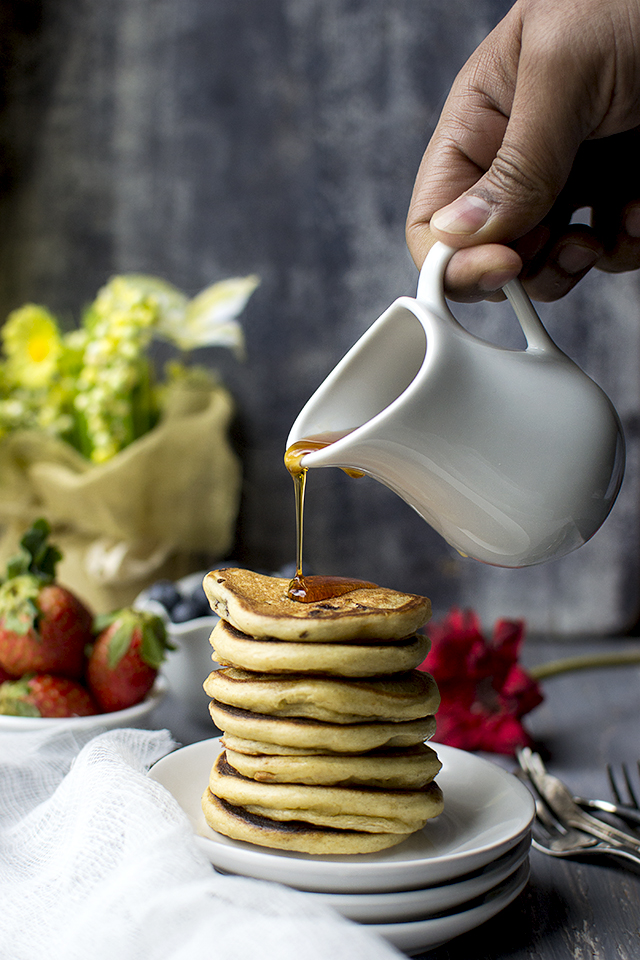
[376, 658]
[370, 810]
[334, 737]
[239, 824]
[408, 769]
[407, 696]
[260, 748]
[258, 606]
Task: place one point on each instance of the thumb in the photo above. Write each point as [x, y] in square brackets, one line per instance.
[549, 117]
[512, 197]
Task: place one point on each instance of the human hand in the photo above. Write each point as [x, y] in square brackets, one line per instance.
[543, 119]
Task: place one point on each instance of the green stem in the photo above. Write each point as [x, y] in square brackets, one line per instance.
[589, 661]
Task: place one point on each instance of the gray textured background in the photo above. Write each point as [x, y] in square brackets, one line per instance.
[199, 139]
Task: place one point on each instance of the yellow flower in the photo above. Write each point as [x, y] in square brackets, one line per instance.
[32, 345]
[95, 386]
[137, 298]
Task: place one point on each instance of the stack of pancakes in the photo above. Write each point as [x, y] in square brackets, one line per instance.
[324, 717]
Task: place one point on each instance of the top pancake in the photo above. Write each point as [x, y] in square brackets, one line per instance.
[258, 605]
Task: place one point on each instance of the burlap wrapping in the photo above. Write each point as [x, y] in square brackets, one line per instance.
[153, 510]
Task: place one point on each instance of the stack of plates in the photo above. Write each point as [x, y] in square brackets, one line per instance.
[461, 870]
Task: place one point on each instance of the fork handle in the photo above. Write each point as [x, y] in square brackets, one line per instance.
[616, 810]
[616, 838]
[623, 852]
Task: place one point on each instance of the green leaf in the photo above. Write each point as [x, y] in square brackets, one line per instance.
[154, 643]
[35, 538]
[158, 624]
[103, 620]
[12, 702]
[18, 603]
[17, 624]
[154, 640]
[18, 708]
[18, 565]
[36, 556]
[119, 643]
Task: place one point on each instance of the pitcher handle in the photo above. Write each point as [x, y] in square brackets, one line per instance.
[532, 326]
[430, 292]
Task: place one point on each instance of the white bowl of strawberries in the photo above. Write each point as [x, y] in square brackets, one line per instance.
[130, 717]
[59, 664]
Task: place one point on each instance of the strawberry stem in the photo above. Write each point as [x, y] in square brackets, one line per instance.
[154, 639]
[19, 603]
[37, 556]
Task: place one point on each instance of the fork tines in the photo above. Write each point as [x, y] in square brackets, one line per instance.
[631, 799]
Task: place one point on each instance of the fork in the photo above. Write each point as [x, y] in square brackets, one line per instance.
[560, 801]
[628, 803]
[549, 836]
[620, 810]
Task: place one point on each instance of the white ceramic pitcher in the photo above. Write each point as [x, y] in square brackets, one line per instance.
[513, 456]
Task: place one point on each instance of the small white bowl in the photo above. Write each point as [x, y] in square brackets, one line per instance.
[131, 717]
[188, 666]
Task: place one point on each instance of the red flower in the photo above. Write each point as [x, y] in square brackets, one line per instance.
[485, 693]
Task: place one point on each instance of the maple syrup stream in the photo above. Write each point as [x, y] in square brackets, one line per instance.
[313, 588]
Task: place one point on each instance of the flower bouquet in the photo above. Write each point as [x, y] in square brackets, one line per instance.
[485, 690]
[136, 477]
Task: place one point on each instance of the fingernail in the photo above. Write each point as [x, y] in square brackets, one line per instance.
[465, 215]
[574, 258]
[496, 279]
[632, 221]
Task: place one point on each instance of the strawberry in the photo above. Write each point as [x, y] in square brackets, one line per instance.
[125, 658]
[44, 628]
[44, 695]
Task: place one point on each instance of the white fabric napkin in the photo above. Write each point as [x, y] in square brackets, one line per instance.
[98, 860]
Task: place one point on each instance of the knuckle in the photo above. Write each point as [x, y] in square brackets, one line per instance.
[521, 180]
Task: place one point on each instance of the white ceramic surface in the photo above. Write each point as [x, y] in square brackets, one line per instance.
[487, 812]
[135, 716]
[408, 905]
[420, 935]
[514, 456]
[187, 667]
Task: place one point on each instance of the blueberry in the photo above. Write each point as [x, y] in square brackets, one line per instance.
[199, 600]
[166, 593]
[185, 610]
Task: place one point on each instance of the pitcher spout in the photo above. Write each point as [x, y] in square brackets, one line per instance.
[365, 387]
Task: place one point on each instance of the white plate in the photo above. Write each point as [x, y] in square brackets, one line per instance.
[404, 905]
[422, 935]
[131, 717]
[487, 811]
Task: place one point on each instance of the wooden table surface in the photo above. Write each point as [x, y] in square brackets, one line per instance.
[570, 910]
